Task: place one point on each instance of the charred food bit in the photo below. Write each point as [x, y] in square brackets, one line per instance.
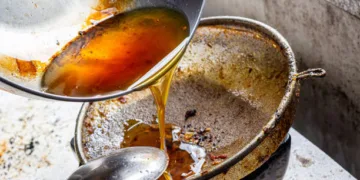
[221, 156]
[212, 157]
[122, 100]
[190, 113]
[189, 135]
[29, 148]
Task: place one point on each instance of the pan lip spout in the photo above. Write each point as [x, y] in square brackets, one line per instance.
[275, 118]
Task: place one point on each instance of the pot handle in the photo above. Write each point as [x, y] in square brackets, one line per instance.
[315, 72]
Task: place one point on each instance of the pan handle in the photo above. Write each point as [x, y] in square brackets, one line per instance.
[315, 72]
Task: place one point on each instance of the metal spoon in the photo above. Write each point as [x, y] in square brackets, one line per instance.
[133, 163]
[34, 44]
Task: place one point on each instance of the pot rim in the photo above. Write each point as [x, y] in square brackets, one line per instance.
[266, 130]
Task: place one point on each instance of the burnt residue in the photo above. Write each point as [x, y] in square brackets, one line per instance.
[21, 68]
[26, 68]
[3, 148]
[266, 130]
[29, 148]
[262, 158]
[12, 140]
[214, 157]
[199, 136]
[190, 113]
[118, 5]
[81, 33]
[122, 99]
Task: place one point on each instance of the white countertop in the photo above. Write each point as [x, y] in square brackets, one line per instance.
[50, 126]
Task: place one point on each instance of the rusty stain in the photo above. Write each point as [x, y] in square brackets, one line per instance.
[120, 5]
[3, 148]
[266, 130]
[46, 160]
[122, 99]
[262, 158]
[107, 8]
[21, 68]
[26, 68]
[221, 73]
[99, 15]
[204, 172]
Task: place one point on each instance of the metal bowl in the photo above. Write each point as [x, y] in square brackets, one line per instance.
[241, 76]
[34, 31]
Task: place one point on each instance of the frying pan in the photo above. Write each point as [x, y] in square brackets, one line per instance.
[241, 77]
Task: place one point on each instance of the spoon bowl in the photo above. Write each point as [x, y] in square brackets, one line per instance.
[131, 163]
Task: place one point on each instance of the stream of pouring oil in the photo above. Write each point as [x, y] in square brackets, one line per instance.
[160, 92]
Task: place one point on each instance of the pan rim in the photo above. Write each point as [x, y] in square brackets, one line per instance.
[266, 130]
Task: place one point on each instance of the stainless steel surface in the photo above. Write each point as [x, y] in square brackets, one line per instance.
[134, 163]
[34, 37]
[269, 93]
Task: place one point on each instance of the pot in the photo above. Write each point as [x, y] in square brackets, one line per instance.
[241, 77]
